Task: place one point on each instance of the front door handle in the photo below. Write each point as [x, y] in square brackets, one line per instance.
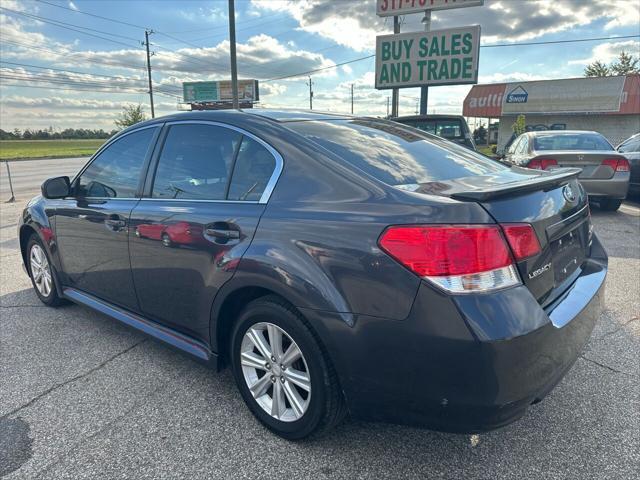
[223, 234]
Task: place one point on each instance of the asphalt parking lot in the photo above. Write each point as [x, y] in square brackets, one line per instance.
[82, 396]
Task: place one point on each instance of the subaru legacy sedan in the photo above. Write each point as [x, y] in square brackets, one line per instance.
[604, 172]
[338, 265]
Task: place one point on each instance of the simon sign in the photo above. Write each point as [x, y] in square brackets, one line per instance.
[439, 57]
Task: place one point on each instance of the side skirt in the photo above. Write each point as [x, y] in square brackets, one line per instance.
[175, 339]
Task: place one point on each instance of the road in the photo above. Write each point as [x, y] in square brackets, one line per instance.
[28, 175]
[82, 396]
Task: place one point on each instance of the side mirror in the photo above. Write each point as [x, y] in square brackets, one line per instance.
[56, 187]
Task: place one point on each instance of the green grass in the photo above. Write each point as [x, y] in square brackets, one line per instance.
[486, 150]
[22, 149]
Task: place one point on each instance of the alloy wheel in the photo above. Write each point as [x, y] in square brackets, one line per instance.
[275, 372]
[40, 270]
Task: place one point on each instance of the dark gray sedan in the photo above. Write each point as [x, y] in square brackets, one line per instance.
[630, 148]
[604, 172]
[337, 264]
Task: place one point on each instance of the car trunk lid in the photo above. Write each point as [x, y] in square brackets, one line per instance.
[552, 202]
[590, 162]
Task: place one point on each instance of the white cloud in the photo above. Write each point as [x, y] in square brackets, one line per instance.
[607, 52]
[72, 6]
[355, 24]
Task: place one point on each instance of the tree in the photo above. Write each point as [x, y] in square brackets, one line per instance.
[625, 65]
[520, 125]
[131, 114]
[597, 69]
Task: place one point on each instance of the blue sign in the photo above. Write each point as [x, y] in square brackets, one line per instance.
[517, 95]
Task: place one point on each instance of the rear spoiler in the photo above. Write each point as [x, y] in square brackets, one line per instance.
[538, 182]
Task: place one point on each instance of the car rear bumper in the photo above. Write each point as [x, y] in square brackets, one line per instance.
[463, 363]
[615, 187]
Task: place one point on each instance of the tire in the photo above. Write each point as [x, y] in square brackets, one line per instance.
[166, 240]
[610, 204]
[43, 277]
[319, 409]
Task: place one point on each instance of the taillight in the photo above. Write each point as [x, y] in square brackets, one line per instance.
[459, 259]
[542, 163]
[522, 240]
[617, 164]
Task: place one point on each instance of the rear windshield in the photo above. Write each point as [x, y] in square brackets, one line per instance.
[449, 128]
[394, 154]
[571, 141]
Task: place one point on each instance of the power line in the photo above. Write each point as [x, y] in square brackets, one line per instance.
[93, 15]
[64, 25]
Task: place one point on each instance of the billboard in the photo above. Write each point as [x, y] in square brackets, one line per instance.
[439, 57]
[219, 91]
[572, 95]
[386, 8]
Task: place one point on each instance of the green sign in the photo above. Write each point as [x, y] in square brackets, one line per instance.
[200, 91]
[440, 57]
[219, 91]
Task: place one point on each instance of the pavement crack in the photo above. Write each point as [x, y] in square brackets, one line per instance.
[617, 329]
[614, 370]
[72, 379]
[23, 306]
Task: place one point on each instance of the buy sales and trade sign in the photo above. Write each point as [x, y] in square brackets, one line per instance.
[439, 57]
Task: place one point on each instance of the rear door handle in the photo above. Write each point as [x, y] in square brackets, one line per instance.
[223, 234]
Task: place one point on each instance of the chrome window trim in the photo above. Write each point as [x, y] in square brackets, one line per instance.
[197, 200]
[273, 180]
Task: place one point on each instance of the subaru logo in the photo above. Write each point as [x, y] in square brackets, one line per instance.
[569, 194]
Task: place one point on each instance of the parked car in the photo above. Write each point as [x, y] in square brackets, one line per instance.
[630, 148]
[604, 172]
[350, 264]
[451, 127]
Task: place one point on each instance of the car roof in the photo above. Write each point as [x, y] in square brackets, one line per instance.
[561, 132]
[426, 117]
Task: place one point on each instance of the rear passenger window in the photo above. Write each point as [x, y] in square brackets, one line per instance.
[254, 167]
[195, 162]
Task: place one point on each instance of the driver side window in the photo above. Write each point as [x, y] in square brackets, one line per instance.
[115, 172]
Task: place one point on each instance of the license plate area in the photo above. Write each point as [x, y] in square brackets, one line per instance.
[569, 252]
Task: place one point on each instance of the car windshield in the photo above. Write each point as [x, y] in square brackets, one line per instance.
[446, 128]
[395, 154]
[571, 141]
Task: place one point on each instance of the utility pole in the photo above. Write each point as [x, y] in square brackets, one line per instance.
[352, 99]
[388, 98]
[232, 51]
[395, 92]
[146, 43]
[310, 83]
[424, 91]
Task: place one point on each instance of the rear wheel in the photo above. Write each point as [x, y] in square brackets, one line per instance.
[610, 204]
[41, 273]
[284, 376]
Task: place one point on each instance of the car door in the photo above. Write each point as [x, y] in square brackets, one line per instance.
[206, 190]
[92, 225]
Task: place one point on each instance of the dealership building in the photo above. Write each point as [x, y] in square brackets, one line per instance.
[608, 105]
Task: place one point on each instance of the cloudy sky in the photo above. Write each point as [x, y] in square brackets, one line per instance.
[76, 63]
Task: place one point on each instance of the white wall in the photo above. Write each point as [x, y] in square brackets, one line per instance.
[615, 128]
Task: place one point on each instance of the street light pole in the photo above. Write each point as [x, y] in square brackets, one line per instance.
[352, 99]
[232, 51]
[424, 91]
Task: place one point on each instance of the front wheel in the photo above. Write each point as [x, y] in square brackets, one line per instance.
[41, 273]
[284, 376]
[610, 204]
